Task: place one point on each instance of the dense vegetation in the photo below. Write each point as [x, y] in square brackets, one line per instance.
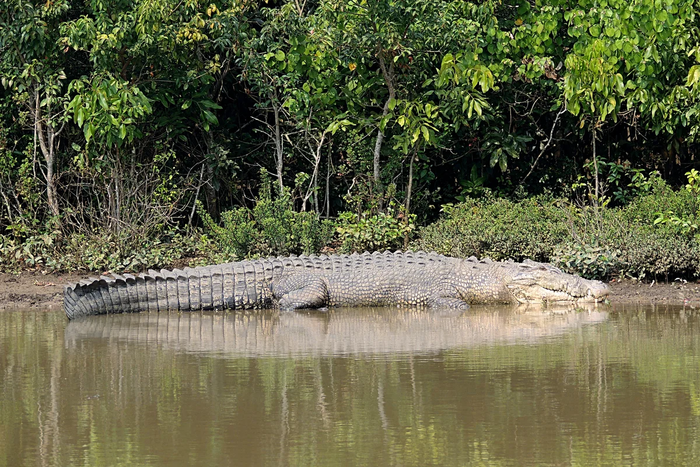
[129, 127]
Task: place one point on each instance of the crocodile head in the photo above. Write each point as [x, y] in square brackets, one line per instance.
[532, 282]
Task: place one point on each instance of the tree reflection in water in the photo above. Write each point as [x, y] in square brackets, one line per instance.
[364, 387]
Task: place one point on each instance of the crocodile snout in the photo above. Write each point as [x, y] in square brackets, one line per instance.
[597, 291]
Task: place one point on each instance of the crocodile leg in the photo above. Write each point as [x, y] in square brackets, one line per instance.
[301, 291]
[445, 295]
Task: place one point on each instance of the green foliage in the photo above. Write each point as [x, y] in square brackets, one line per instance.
[235, 238]
[108, 109]
[588, 261]
[685, 219]
[620, 183]
[96, 252]
[473, 187]
[482, 97]
[498, 229]
[595, 242]
[373, 232]
[624, 51]
[499, 146]
[271, 228]
[17, 182]
[117, 254]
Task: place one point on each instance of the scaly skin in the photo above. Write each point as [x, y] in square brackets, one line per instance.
[380, 279]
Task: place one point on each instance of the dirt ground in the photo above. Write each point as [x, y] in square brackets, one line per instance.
[36, 290]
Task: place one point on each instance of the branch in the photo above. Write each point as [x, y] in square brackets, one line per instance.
[549, 141]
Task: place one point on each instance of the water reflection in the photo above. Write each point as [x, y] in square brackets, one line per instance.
[338, 332]
[368, 387]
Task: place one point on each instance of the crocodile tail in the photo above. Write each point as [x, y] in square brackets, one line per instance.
[231, 285]
[186, 290]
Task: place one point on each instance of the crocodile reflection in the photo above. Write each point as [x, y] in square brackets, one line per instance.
[338, 332]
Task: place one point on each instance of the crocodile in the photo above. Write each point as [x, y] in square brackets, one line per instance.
[417, 279]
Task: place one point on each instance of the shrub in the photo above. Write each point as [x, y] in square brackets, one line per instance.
[588, 261]
[95, 252]
[497, 228]
[271, 228]
[378, 232]
[593, 242]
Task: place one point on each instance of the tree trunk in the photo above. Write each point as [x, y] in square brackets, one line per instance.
[210, 193]
[409, 189]
[595, 168]
[279, 144]
[117, 180]
[328, 184]
[312, 191]
[46, 135]
[388, 74]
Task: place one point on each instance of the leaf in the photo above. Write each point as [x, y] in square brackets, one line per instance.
[210, 105]
[332, 128]
[89, 130]
[103, 100]
[416, 135]
[279, 55]
[693, 75]
[495, 156]
[210, 117]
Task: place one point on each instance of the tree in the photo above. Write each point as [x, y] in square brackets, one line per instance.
[630, 58]
[33, 71]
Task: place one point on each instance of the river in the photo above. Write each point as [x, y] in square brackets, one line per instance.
[615, 385]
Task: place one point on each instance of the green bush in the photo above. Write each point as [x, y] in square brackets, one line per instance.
[271, 228]
[593, 242]
[588, 261]
[378, 232]
[596, 242]
[498, 229]
[95, 252]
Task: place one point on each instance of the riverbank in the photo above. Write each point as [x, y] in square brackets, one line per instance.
[32, 290]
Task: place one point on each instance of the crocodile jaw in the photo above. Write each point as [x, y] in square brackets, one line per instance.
[556, 286]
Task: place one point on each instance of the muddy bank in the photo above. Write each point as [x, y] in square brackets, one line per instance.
[37, 290]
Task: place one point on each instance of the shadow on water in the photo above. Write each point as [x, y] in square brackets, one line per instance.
[494, 386]
[336, 332]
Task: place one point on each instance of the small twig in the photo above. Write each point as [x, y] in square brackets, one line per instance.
[196, 195]
[549, 141]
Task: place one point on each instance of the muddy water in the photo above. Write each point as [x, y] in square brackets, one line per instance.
[352, 387]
